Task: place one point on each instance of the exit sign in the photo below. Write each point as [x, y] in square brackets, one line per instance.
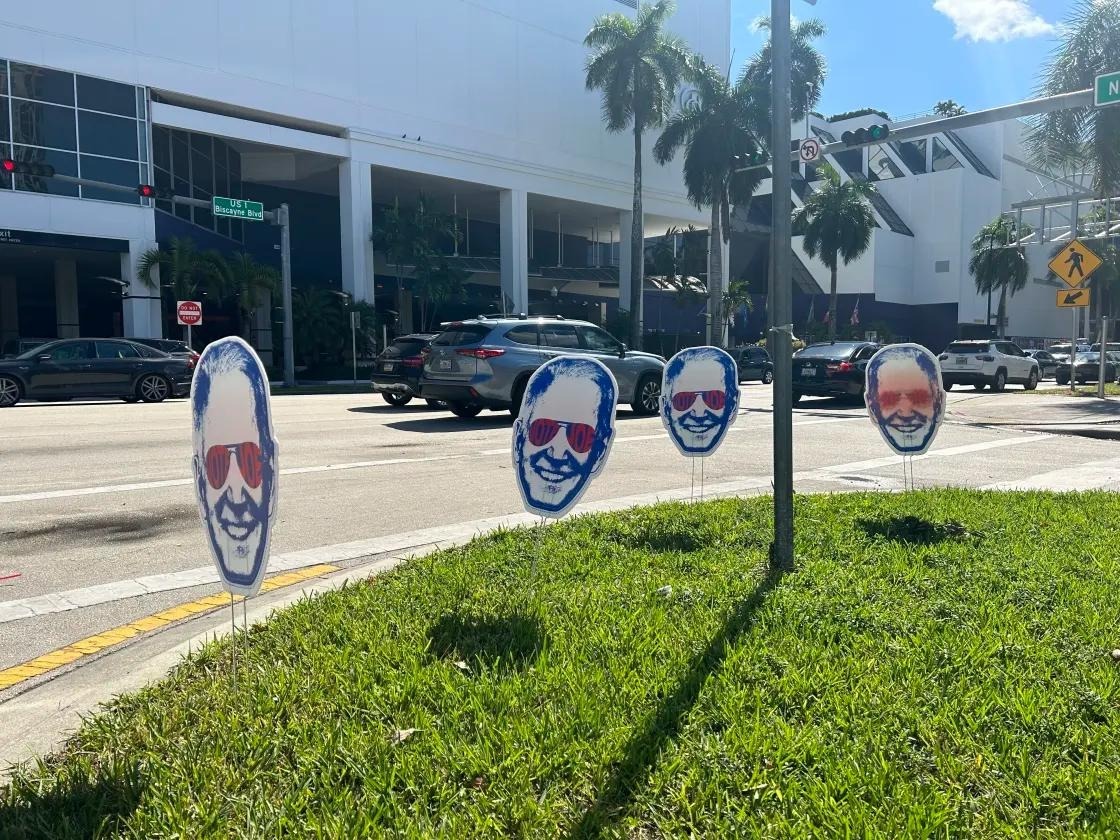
[238, 208]
[1107, 90]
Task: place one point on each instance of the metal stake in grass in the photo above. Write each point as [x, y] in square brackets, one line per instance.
[692, 490]
[701, 478]
[233, 637]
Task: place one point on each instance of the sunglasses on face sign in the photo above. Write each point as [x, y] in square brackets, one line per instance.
[581, 436]
[249, 462]
[715, 400]
[919, 398]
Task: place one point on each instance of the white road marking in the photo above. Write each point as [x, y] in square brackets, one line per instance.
[1096, 475]
[445, 534]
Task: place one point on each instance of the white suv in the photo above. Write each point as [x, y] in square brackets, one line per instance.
[994, 363]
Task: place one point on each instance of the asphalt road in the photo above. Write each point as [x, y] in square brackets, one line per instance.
[98, 493]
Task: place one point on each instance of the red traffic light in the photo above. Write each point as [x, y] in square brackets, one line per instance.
[146, 191]
[8, 165]
[22, 167]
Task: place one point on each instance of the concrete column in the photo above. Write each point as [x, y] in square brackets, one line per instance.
[625, 236]
[143, 317]
[66, 298]
[514, 215]
[261, 330]
[9, 309]
[355, 195]
[405, 325]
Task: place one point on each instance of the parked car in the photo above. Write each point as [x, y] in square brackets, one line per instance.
[984, 363]
[754, 364]
[397, 369]
[1060, 352]
[1047, 364]
[1087, 369]
[170, 346]
[486, 362]
[15, 346]
[93, 367]
[832, 369]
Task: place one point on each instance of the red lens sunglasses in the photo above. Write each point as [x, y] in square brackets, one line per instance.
[249, 461]
[715, 400]
[581, 436]
[919, 398]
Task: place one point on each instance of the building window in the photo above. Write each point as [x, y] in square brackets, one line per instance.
[913, 154]
[39, 124]
[41, 84]
[197, 166]
[943, 159]
[880, 166]
[851, 160]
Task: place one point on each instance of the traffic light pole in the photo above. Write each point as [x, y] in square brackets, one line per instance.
[781, 306]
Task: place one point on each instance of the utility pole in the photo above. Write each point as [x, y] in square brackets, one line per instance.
[781, 305]
[286, 279]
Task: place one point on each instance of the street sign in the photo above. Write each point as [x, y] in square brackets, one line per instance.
[810, 149]
[238, 208]
[355, 320]
[1107, 90]
[189, 313]
[1074, 263]
[1071, 298]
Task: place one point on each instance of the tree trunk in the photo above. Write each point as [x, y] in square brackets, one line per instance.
[715, 276]
[637, 247]
[832, 299]
[1002, 316]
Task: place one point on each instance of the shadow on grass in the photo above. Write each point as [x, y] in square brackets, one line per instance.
[664, 724]
[506, 642]
[78, 808]
[913, 530]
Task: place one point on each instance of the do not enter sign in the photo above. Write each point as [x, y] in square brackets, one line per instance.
[189, 313]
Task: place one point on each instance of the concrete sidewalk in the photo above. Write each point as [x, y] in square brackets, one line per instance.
[1086, 416]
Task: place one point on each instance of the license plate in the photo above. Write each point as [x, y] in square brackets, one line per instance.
[388, 366]
[962, 360]
[808, 371]
[444, 364]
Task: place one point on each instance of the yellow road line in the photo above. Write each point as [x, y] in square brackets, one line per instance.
[107, 639]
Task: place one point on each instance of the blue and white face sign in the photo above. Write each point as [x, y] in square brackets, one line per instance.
[905, 397]
[235, 461]
[563, 434]
[699, 399]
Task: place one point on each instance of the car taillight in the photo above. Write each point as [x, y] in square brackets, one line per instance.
[191, 361]
[842, 367]
[412, 361]
[943, 356]
[986, 358]
[481, 353]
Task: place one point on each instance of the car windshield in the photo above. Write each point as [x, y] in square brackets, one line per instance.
[965, 347]
[838, 350]
[408, 346]
[1085, 358]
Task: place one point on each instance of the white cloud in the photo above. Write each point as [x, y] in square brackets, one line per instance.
[994, 20]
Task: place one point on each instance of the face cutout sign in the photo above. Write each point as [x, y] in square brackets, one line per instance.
[563, 433]
[235, 461]
[699, 399]
[905, 397]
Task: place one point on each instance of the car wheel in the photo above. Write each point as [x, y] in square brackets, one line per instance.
[516, 396]
[647, 399]
[1000, 382]
[1061, 380]
[396, 399]
[465, 410]
[9, 392]
[797, 395]
[767, 377]
[948, 385]
[440, 404]
[1032, 381]
[131, 399]
[979, 386]
[153, 388]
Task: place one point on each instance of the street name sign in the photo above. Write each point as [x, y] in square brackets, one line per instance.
[1107, 90]
[1071, 298]
[238, 208]
[810, 149]
[1074, 263]
[189, 313]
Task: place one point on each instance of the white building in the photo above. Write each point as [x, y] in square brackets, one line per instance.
[334, 106]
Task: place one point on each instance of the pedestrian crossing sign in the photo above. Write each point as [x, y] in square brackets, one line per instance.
[1074, 263]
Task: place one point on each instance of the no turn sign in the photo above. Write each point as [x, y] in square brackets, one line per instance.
[189, 313]
[810, 149]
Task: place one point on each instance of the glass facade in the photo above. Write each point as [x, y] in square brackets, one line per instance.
[913, 154]
[880, 166]
[199, 166]
[943, 159]
[82, 126]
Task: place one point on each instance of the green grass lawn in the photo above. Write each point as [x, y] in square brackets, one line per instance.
[947, 675]
[1111, 389]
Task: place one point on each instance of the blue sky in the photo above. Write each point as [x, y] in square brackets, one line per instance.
[902, 56]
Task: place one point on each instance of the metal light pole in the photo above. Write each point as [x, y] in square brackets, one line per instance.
[286, 277]
[781, 305]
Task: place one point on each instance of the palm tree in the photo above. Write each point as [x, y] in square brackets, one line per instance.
[808, 69]
[182, 268]
[1082, 136]
[318, 324]
[392, 236]
[637, 66]
[948, 108]
[676, 266]
[1005, 269]
[716, 134]
[836, 222]
[247, 280]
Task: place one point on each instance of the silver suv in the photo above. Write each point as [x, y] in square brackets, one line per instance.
[994, 363]
[486, 362]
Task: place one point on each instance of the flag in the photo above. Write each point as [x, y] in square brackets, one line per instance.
[827, 312]
[812, 304]
[855, 313]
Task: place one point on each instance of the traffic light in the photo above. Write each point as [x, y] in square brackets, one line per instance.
[757, 157]
[148, 191]
[871, 134]
[23, 167]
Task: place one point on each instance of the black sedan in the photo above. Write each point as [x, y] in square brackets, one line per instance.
[832, 369]
[1087, 370]
[93, 368]
[1047, 363]
[754, 364]
[396, 371]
